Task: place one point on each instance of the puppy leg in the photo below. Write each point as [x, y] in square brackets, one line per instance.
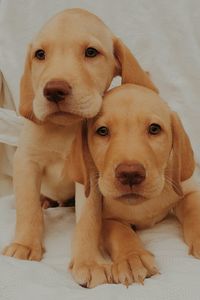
[88, 266]
[188, 213]
[131, 262]
[29, 224]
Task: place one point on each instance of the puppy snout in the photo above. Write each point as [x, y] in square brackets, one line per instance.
[56, 90]
[130, 174]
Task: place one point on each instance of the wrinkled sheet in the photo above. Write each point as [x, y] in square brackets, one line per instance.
[165, 38]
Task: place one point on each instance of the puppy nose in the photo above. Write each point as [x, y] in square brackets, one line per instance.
[130, 174]
[56, 90]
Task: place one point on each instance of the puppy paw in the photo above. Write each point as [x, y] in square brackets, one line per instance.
[194, 248]
[24, 252]
[134, 268]
[90, 274]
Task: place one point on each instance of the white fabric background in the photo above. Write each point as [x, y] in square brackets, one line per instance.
[164, 36]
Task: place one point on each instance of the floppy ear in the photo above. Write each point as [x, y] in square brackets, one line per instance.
[183, 157]
[26, 90]
[79, 161]
[129, 68]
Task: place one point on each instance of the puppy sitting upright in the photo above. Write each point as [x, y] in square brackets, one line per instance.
[69, 66]
[143, 160]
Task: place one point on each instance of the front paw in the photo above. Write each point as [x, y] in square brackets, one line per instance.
[194, 247]
[134, 267]
[90, 273]
[20, 251]
[192, 239]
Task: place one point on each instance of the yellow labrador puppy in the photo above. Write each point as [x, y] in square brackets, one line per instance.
[69, 65]
[144, 165]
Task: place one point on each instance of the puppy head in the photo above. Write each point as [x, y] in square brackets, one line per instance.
[138, 146]
[69, 66]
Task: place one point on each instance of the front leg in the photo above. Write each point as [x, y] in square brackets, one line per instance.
[88, 266]
[188, 213]
[27, 178]
[131, 262]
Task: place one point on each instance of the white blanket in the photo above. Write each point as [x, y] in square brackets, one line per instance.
[50, 280]
[164, 36]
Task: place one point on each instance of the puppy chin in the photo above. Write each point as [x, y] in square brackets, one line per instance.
[63, 119]
[45, 114]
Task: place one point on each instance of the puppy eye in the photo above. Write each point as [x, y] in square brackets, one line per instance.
[154, 129]
[103, 131]
[40, 54]
[91, 52]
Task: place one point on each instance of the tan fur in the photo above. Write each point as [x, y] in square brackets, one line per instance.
[130, 66]
[181, 144]
[50, 127]
[79, 159]
[128, 111]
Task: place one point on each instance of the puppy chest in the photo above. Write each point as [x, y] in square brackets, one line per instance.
[56, 182]
[142, 216]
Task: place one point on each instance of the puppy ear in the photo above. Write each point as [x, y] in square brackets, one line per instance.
[79, 159]
[183, 156]
[128, 67]
[26, 90]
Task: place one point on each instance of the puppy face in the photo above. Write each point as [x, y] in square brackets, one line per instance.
[72, 65]
[69, 66]
[130, 142]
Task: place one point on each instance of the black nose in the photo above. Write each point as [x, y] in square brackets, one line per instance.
[130, 174]
[56, 90]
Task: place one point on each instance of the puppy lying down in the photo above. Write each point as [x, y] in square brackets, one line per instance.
[143, 161]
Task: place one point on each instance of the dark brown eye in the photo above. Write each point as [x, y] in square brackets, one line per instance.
[91, 52]
[103, 131]
[40, 54]
[154, 129]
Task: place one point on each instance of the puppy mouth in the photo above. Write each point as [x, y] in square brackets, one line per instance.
[131, 198]
[130, 195]
[73, 106]
[75, 113]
